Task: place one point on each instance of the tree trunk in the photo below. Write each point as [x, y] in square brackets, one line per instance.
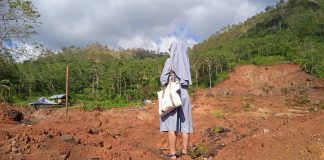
[209, 75]
[29, 91]
[120, 83]
[97, 81]
[216, 69]
[93, 87]
[221, 68]
[196, 78]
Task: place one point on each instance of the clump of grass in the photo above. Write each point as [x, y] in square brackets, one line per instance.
[222, 77]
[217, 113]
[266, 89]
[301, 100]
[197, 151]
[218, 130]
[285, 91]
[322, 105]
[246, 107]
[102, 105]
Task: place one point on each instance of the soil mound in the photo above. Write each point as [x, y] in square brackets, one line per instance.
[258, 80]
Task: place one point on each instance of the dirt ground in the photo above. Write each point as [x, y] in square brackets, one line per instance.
[259, 113]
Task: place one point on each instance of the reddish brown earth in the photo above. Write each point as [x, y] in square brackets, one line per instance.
[259, 113]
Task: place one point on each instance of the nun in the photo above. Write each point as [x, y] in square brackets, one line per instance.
[180, 119]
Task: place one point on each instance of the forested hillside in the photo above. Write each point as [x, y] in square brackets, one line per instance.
[97, 73]
[292, 31]
[288, 32]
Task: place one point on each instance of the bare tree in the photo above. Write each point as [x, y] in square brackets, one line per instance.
[18, 19]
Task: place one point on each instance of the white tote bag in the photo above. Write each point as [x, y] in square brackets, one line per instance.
[169, 98]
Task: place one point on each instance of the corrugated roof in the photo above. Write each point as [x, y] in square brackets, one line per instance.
[57, 96]
[43, 101]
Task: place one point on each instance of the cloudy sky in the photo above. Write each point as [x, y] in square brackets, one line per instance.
[149, 24]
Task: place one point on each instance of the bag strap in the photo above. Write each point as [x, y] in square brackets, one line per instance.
[172, 74]
[171, 79]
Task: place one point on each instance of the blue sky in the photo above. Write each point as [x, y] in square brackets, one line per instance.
[138, 23]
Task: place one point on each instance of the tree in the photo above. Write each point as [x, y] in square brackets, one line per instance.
[268, 8]
[18, 21]
[279, 3]
[4, 90]
[195, 66]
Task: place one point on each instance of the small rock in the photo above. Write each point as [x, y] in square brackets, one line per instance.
[49, 136]
[13, 143]
[27, 140]
[266, 130]
[101, 143]
[77, 140]
[45, 132]
[14, 150]
[70, 138]
[66, 137]
[17, 136]
[94, 131]
[108, 146]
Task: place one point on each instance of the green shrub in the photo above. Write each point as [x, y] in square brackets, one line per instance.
[322, 105]
[246, 107]
[197, 151]
[221, 77]
[218, 130]
[217, 113]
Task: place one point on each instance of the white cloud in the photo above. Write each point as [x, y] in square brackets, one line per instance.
[134, 42]
[165, 43]
[138, 23]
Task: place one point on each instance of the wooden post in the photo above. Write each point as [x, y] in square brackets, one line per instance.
[67, 93]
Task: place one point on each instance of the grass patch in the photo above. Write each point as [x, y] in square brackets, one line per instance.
[221, 77]
[95, 105]
[321, 105]
[285, 91]
[197, 151]
[301, 100]
[218, 130]
[24, 101]
[217, 113]
[246, 107]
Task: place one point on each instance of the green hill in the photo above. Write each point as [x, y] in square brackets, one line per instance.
[292, 31]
